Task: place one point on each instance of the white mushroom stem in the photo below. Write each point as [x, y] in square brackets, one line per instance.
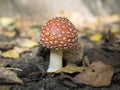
[55, 60]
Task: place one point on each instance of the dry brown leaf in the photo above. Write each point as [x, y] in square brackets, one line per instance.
[70, 68]
[7, 76]
[97, 74]
[10, 54]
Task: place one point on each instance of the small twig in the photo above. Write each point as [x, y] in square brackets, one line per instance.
[16, 69]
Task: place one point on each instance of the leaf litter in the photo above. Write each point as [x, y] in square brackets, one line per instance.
[94, 30]
[8, 76]
[97, 74]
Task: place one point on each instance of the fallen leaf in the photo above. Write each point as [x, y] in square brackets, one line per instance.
[8, 34]
[6, 21]
[28, 43]
[96, 38]
[7, 76]
[97, 74]
[10, 54]
[70, 68]
[21, 49]
[115, 29]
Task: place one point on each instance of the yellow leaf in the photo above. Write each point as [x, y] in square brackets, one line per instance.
[96, 38]
[70, 69]
[10, 54]
[115, 30]
[29, 44]
[5, 21]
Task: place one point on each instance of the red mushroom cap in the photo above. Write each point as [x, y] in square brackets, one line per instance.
[58, 33]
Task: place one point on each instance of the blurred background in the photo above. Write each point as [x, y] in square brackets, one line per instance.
[46, 8]
[89, 16]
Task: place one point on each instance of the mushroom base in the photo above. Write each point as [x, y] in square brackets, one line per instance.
[55, 60]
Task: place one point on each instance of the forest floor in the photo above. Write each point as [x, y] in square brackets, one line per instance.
[23, 57]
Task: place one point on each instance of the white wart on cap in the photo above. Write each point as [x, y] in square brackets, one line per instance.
[58, 33]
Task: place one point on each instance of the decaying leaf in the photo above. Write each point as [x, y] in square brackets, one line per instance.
[75, 54]
[70, 68]
[28, 43]
[21, 49]
[7, 76]
[97, 74]
[96, 38]
[10, 54]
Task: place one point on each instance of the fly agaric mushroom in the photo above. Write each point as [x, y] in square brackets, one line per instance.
[58, 34]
